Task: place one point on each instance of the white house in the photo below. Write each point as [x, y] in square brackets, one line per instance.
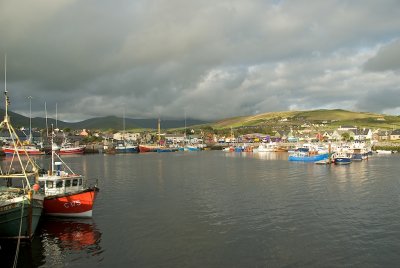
[362, 134]
[126, 136]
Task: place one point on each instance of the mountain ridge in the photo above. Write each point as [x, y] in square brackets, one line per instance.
[339, 116]
[101, 123]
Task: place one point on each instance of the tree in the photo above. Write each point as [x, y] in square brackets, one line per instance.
[345, 136]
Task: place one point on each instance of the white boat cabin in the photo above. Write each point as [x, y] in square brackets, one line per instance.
[61, 182]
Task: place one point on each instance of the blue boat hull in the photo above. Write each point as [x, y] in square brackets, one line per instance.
[311, 158]
[127, 150]
[192, 149]
[342, 160]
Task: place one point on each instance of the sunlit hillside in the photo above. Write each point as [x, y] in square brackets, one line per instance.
[330, 117]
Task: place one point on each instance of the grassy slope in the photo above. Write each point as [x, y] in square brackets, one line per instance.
[334, 117]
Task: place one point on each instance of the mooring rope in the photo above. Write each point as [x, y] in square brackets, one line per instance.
[20, 230]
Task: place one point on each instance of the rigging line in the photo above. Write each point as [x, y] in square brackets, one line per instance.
[20, 228]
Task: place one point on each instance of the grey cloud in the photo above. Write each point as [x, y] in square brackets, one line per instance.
[211, 59]
[387, 58]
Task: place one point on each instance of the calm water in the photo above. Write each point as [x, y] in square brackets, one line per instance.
[216, 209]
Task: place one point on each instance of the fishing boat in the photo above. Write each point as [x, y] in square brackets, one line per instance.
[123, 146]
[69, 148]
[191, 148]
[166, 149]
[20, 211]
[145, 148]
[228, 149]
[21, 149]
[305, 155]
[341, 158]
[359, 154]
[21, 203]
[66, 193]
[269, 147]
[27, 146]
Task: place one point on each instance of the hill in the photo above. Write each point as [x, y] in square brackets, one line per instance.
[333, 118]
[101, 123]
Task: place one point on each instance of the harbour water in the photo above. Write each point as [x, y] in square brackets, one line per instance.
[216, 209]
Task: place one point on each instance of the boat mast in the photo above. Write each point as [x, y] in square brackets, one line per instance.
[47, 127]
[5, 89]
[159, 131]
[123, 125]
[53, 148]
[30, 119]
[184, 136]
[16, 141]
[56, 116]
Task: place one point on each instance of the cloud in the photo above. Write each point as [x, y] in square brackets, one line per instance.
[386, 59]
[208, 59]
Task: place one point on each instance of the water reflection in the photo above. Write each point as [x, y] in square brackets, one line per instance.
[271, 155]
[259, 155]
[63, 237]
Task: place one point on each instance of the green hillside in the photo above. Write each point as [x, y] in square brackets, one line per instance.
[333, 118]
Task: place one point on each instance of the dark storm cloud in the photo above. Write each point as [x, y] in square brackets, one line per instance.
[208, 59]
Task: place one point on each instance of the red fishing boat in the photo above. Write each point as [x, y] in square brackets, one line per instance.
[148, 148]
[29, 149]
[66, 193]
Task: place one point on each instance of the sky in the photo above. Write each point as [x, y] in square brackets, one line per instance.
[205, 60]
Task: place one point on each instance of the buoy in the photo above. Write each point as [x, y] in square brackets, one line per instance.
[36, 187]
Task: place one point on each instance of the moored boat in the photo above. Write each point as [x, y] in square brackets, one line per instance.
[66, 193]
[69, 148]
[20, 212]
[359, 154]
[228, 149]
[267, 147]
[341, 158]
[166, 150]
[21, 203]
[304, 155]
[191, 148]
[123, 146]
[145, 148]
[29, 149]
